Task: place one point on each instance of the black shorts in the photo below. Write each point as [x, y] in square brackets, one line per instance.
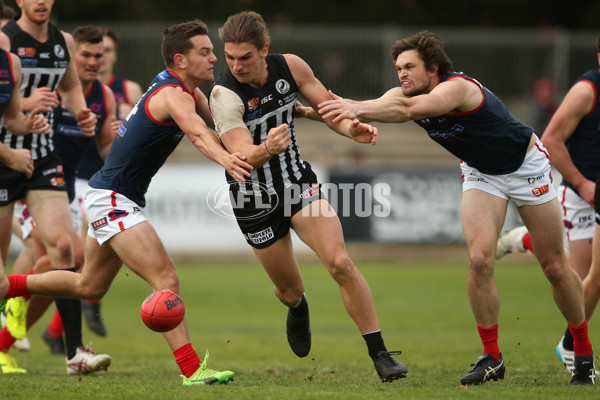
[47, 175]
[265, 218]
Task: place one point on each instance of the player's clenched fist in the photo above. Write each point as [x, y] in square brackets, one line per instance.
[278, 139]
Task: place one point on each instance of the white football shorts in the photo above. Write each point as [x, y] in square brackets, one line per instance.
[531, 184]
[578, 215]
[109, 213]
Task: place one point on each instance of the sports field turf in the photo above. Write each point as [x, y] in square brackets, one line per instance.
[231, 310]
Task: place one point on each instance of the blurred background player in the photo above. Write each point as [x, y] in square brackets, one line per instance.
[71, 144]
[126, 93]
[17, 160]
[49, 68]
[573, 142]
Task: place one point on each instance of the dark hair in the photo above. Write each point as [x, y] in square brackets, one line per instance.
[7, 12]
[87, 34]
[245, 27]
[111, 34]
[430, 48]
[176, 39]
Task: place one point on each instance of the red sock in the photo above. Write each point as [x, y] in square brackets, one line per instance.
[28, 296]
[18, 286]
[527, 242]
[489, 338]
[55, 327]
[6, 340]
[187, 359]
[581, 340]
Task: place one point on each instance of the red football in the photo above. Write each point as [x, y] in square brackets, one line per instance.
[163, 310]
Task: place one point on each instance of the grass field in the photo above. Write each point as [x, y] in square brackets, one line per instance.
[422, 308]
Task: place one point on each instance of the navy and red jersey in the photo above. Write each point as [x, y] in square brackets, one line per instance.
[7, 80]
[584, 143]
[69, 141]
[488, 138]
[140, 147]
[117, 84]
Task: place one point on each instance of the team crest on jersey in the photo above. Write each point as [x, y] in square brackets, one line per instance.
[252, 104]
[59, 51]
[282, 86]
[4, 74]
[96, 108]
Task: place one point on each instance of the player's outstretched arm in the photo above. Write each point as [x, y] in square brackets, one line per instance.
[180, 106]
[315, 93]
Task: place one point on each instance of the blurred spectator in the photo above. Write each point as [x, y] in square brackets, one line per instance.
[544, 91]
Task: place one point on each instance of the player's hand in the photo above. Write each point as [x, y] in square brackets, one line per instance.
[20, 160]
[278, 139]
[237, 167]
[36, 122]
[43, 97]
[363, 133]
[338, 108]
[86, 121]
[587, 191]
[124, 108]
[115, 124]
[301, 110]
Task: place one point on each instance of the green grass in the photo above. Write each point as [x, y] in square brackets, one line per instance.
[422, 308]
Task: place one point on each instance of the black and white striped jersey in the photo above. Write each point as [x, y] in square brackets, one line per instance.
[267, 107]
[43, 65]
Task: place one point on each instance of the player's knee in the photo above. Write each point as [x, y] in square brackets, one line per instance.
[169, 280]
[555, 272]
[341, 267]
[91, 291]
[481, 264]
[290, 296]
[63, 249]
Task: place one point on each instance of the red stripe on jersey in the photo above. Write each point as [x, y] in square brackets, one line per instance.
[113, 199]
[121, 227]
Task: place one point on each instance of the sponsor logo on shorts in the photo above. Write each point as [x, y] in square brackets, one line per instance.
[260, 237]
[114, 215]
[542, 190]
[4, 195]
[311, 191]
[57, 182]
[532, 179]
[99, 223]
